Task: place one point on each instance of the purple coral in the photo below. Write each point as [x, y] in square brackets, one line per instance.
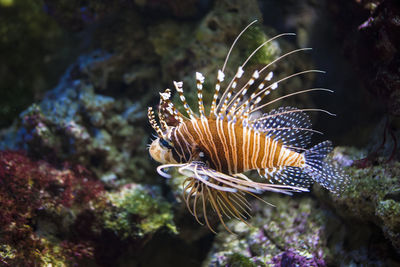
[292, 258]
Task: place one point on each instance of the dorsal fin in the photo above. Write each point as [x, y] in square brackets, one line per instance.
[153, 122]
[199, 84]
[238, 97]
[179, 89]
[220, 79]
[226, 96]
[167, 111]
[262, 92]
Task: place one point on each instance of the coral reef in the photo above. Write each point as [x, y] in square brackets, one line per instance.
[292, 232]
[74, 123]
[305, 231]
[34, 195]
[58, 215]
[372, 196]
[136, 211]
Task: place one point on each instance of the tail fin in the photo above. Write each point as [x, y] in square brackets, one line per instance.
[322, 171]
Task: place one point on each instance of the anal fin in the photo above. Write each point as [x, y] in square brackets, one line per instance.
[291, 176]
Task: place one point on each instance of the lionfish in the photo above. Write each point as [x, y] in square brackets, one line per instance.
[214, 150]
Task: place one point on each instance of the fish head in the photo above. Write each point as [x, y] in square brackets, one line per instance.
[161, 150]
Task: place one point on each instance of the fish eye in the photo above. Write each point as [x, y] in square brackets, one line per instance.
[165, 143]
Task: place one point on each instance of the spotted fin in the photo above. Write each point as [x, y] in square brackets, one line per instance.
[322, 170]
[291, 176]
[288, 125]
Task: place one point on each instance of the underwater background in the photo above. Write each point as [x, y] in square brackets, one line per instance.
[77, 186]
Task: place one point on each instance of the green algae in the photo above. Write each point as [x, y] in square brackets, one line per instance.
[372, 197]
[237, 260]
[375, 198]
[389, 212]
[6, 3]
[168, 37]
[373, 194]
[7, 252]
[135, 212]
[254, 37]
[52, 255]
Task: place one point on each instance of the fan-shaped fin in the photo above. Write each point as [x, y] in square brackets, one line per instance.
[322, 170]
[291, 176]
[288, 125]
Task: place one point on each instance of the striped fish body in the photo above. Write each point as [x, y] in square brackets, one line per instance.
[229, 147]
[213, 150]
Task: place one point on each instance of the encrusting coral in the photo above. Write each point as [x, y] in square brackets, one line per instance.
[373, 195]
[74, 123]
[57, 215]
[32, 192]
[291, 232]
[137, 210]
